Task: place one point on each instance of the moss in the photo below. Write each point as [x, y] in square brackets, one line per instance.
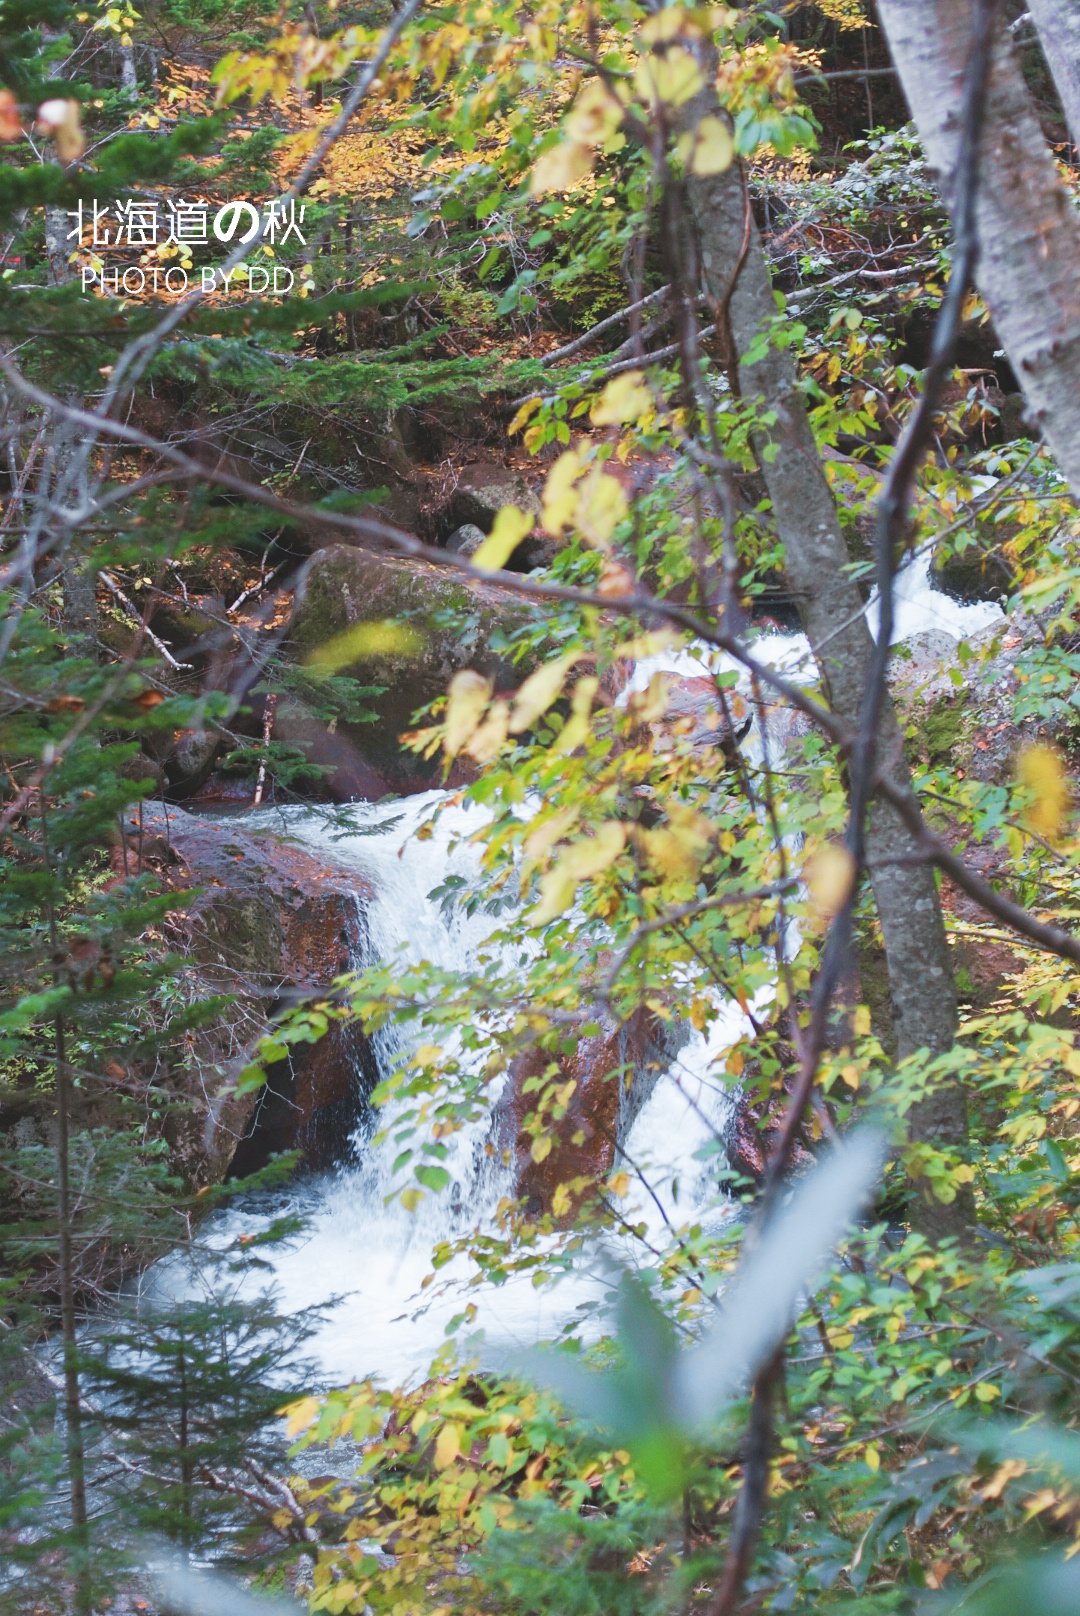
[942, 729]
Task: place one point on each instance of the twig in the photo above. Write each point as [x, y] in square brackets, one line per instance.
[114, 588]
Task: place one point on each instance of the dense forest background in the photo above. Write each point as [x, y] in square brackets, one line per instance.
[586, 493]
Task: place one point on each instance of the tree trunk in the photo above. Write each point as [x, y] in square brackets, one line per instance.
[80, 1529]
[1029, 230]
[1058, 23]
[816, 558]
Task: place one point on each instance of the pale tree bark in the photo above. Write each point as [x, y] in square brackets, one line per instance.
[1058, 24]
[1028, 226]
[921, 982]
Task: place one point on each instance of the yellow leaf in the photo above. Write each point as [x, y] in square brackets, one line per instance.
[527, 410]
[581, 860]
[560, 1201]
[540, 1148]
[539, 691]
[487, 740]
[860, 1021]
[469, 695]
[448, 1446]
[561, 167]
[548, 832]
[1043, 777]
[873, 1459]
[829, 875]
[670, 79]
[714, 149]
[1072, 1062]
[625, 398]
[647, 645]
[577, 729]
[300, 1415]
[602, 505]
[507, 532]
[594, 117]
[560, 497]
[619, 1184]
[366, 641]
[282, 1519]
[60, 119]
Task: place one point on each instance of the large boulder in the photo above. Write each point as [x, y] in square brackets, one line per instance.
[455, 622]
[265, 923]
[483, 489]
[614, 1072]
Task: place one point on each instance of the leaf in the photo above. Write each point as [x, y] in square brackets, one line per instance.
[560, 496]
[434, 1178]
[594, 117]
[1041, 774]
[300, 1415]
[540, 690]
[760, 1302]
[670, 79]
[60, 119]
[469, 695]
[619, 1185]
[602, 505]
[561, 167]
[525, 413]
[578, 727]
[507, 532]
[560, 1201]
[714, 147]
[448, 1445]
[365, 641]
[491, 734]
[829, 874]
[582, 859]
[625, 398]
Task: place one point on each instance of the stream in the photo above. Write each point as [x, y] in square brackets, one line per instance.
[374, 1255]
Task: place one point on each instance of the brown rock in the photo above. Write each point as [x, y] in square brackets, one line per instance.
[615, 1072]
[268, 922]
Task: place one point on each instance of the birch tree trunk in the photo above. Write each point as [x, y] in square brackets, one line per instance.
[1058, 24]
[921, 983]
[1029, 229]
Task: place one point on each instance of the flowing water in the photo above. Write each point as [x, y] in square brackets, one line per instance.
[374, 1255]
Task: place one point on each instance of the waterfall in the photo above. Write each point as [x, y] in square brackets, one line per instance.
[374, 1254]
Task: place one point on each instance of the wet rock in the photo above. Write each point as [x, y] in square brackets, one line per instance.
[483, 489]
[267, 923]
[452, 621]
[190, 760]
[615, 1072]
[466, 540]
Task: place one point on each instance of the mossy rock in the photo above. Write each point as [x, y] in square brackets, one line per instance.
[455, 623]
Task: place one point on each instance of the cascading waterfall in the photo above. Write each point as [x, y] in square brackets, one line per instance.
[374, 1255]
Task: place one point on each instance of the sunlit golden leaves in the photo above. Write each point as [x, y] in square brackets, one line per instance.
[467, 700]
[1042, 776]
[561, 167]
[540, 690]
[670, 79]
[366, 642]
[829, 873]
[60, 120]
[626, 398]
[585, 497]
[708, 149]
[580, 861]
[510, 527]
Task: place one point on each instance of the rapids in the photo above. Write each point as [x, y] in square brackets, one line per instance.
[374, 1255]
